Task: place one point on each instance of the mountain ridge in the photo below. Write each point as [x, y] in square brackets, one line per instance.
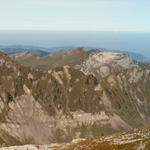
[46, 51]
[95, 62]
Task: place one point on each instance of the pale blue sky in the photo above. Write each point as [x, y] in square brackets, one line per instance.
[103, 15]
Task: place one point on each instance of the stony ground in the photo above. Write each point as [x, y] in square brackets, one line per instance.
[136, 139]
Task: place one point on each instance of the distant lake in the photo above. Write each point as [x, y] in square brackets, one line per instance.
[132, 41]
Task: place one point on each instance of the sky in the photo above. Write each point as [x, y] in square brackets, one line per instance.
[89, 15]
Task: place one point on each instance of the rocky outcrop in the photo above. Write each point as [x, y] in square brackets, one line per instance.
[101, 64]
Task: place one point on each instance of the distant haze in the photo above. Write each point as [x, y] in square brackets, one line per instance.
[132, 41]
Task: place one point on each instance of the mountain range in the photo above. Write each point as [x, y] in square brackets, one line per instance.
[42, 51]
[71, 94]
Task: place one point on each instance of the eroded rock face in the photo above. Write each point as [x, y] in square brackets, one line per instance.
[63, 103]
[101, 64]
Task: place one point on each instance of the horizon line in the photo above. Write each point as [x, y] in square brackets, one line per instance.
[74, 30]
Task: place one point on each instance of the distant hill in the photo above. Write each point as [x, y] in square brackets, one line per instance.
[25, 58]
[9, 51]
[41, 53]
[21, 47]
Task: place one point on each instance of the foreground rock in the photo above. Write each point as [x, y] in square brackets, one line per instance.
[137, 139]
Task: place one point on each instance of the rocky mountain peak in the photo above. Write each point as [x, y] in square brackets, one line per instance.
[101, 64]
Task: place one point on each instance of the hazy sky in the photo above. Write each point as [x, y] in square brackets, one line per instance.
[105, 15]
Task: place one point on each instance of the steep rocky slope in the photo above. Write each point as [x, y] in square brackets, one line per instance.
[63, 104]
[37, 107]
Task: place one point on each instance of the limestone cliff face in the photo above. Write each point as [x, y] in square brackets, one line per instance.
[101, 64]
[63, 103]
